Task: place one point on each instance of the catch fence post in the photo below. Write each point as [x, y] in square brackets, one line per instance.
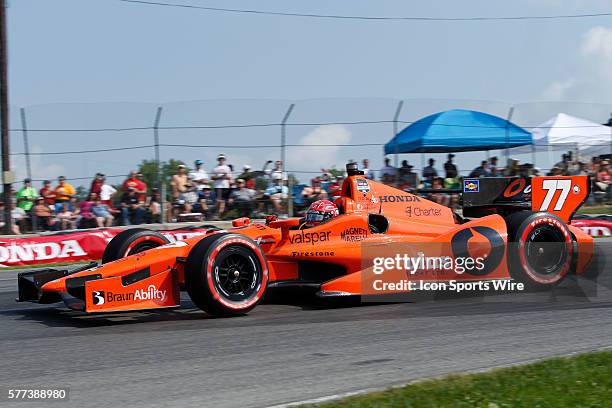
[283, 147]
[26, 148]
[398, 110]
[159, 180]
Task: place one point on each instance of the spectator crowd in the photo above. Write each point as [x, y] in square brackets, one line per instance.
[196, 195]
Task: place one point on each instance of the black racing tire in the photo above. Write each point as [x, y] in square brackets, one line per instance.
[132, 241]
[540, 249]
[226, 274]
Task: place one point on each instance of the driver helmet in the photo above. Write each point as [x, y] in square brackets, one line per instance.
[320, 211]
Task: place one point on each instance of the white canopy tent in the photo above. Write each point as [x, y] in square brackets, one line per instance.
[569, 133]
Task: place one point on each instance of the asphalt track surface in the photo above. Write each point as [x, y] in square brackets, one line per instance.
[282, 353]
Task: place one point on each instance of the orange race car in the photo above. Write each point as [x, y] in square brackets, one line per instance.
[513, 229]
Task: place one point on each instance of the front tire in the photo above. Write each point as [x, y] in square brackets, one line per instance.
[226, 274]
[540, 249]
[132, 241]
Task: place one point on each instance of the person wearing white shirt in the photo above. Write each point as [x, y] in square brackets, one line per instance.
[106, 194]
[199, 175]
[221, 176]
[369, 174]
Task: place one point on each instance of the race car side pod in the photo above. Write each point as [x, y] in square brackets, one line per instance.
[30, 282]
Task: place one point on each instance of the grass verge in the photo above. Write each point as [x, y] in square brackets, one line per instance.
[606, 209]
[579, 381]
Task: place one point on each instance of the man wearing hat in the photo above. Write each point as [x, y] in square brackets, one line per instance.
[449, 167]
[222, 176]
[198, 175]
[26, 195]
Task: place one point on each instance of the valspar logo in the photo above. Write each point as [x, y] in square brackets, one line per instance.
[151, 293]
[15, 253]
[309, 237]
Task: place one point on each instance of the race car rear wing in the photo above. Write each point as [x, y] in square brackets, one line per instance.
[559, 195]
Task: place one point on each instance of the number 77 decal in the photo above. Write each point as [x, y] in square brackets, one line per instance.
[559, 195]
[552, 186]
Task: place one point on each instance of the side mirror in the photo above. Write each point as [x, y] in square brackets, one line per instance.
[241, 222]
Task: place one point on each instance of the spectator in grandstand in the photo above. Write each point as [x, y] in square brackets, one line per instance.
[276, 170]
[181, 187]
[198, 175]
[564, 163]
[154, 206]
[96, 183]
[206, 202]
[277, 193]
[19, 217]
[241, 198]
[603, 179]
[106, 193]
[26, 195]
[408, 179]
[450, 169]
[139, 186]
[47, 193]
[335, 187]
[482, 170]
[14, 226]
[493, 168]
[387, 172]
[222, 176]
[86, 218]
[314, 192]
[440, 198]
[131, 208]
[101, 211]
[64, 193]
[430, 172]
[65, 217]
[248, 176]
[367, 172]
[582, 169]
[45, 218]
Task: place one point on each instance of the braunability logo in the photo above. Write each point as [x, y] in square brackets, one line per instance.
[98, 297]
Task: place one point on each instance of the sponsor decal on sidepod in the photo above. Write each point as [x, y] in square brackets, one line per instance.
[151, 293]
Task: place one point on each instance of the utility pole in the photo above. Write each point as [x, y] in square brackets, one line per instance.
[7, 176]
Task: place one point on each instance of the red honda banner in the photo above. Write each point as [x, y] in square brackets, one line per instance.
[600, 226]
[69, 247]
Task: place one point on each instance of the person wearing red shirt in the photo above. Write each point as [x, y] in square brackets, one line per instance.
[47, 193]
[138, 185]
[96, 184]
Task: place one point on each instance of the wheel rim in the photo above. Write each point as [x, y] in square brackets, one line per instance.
[141, 247]
[236, 273]
[546, 250]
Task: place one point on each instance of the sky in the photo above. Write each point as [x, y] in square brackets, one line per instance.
[124, 59]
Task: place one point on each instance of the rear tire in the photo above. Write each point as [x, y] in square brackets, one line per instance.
[132, 241]
[226, 274]
[540, 249]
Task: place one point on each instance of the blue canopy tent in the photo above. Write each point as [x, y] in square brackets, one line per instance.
[458, 130]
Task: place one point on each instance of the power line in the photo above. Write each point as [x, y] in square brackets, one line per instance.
[371, 18]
